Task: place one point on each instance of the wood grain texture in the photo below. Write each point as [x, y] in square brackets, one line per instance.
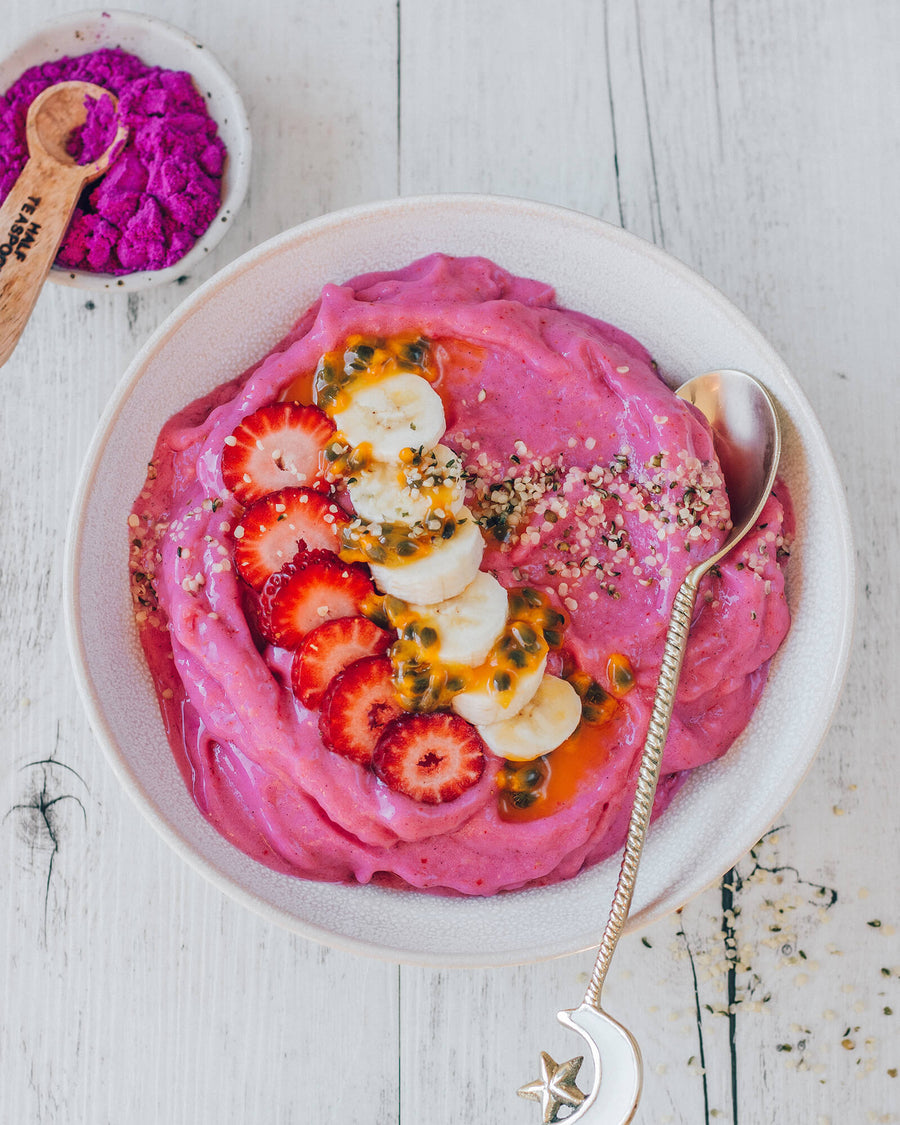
[756, 142]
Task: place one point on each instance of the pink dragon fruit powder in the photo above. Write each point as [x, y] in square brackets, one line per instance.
[163, 188]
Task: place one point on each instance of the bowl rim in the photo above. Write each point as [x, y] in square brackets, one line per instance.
[237, 168]
[511, 955]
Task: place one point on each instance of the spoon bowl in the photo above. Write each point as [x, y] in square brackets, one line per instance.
[747, 439]
[54, 115]
[41, 201]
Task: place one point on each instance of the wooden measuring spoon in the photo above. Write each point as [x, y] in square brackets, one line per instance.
[35, 214]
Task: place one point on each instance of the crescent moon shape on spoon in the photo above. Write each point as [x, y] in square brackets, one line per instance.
[747, 440]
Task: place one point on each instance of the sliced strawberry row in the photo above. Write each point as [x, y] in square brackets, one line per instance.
[328, 650]
[278, 446]
[302, 596]
[315, 587]
[276, 528]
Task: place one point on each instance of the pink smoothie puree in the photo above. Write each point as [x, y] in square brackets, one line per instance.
[593, 485]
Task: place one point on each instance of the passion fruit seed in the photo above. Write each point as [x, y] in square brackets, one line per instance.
[326, 373]
[335, 450]
[620, 673]
[502, 681]
[353, 362]
[416, 352]
[517, 605]
[524, 634]
[595, 693]
[597, 706]
[523, 777]
[393, 607]
[326, 396]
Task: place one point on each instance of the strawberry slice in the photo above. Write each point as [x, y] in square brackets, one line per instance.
[328, 650]
[254, 616]
[275, 528]
[357, 707]
[433, 758]
[277, 446]
[315, 587]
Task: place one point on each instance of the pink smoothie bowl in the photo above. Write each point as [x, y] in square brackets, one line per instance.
[689, 327]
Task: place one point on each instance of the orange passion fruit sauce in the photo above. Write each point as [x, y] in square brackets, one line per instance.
[526, 790]
[424, 682]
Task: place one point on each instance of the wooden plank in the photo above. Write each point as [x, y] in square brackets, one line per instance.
[730, 127]
[135, 991]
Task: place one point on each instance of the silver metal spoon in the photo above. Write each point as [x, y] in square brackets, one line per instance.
[748, 444]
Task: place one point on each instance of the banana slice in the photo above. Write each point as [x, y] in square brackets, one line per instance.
[481, 706]
[546, 721]
[469, 624]
[395, 413]
[408, 493]
[443, 573]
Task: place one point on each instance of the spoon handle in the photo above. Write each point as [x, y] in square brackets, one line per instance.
[33, 220]
[660, 717]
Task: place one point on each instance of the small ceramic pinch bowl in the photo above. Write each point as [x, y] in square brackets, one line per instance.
[157, 44]
[233, 321]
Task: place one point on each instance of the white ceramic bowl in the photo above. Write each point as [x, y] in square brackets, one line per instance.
[689, 327]
[157, 44]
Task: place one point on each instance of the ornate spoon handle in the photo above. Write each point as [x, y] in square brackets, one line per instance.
[614, 1052]
[660, 717]
[747, 436]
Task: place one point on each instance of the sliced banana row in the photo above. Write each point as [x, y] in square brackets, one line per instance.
[446, 589]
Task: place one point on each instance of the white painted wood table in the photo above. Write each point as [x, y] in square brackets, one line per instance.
[757, 142]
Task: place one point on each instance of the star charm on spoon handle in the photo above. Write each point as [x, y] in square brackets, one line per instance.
[555, 1087]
